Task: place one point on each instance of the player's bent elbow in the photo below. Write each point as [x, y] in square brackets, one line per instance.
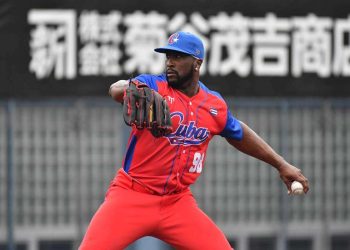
[116, 90]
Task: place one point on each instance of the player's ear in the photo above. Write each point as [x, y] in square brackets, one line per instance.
[197, 64]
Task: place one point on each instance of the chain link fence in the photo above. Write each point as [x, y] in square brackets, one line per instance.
[63, 154]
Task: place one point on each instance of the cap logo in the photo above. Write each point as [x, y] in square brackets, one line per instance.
[197, 52]
[173, 38]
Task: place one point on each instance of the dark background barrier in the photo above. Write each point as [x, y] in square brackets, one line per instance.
[17, 80]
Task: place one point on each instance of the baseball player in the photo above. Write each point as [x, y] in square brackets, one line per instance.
[173, 118]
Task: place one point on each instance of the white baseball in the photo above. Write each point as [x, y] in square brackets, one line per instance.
[297, 188]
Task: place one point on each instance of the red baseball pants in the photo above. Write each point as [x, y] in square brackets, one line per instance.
[127, 215]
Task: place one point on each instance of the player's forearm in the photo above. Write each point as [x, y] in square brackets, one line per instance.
[253, 145]
[116, 90]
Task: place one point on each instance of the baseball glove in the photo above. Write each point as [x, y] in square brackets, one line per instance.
[145, 108]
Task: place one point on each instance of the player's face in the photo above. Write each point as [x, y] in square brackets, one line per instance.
[179, 69]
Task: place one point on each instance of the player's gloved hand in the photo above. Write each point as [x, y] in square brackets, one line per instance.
[145, 108]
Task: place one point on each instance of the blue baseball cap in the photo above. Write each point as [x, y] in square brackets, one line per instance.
[184, 42]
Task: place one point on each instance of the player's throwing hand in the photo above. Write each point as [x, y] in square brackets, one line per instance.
[289, 173]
